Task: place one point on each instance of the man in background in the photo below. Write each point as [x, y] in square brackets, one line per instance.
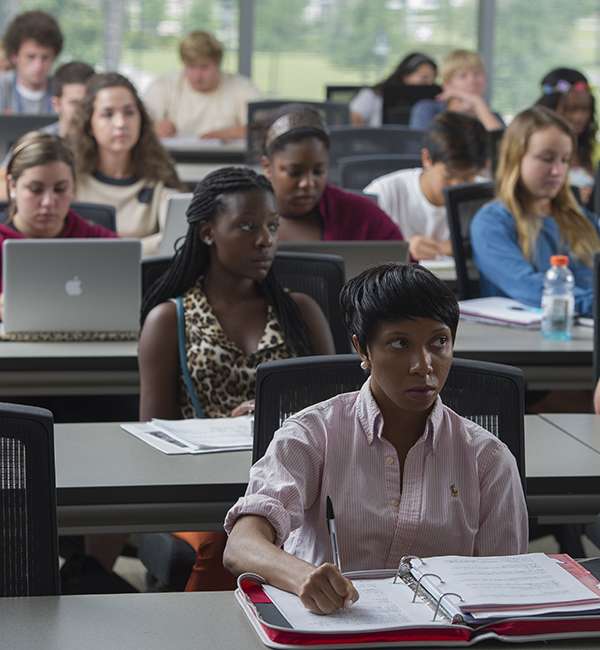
[69, 88]
[201, 100]
[32, 41]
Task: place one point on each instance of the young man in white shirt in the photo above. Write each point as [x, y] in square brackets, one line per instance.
[201, 100]
[454, 150]
[33, 41]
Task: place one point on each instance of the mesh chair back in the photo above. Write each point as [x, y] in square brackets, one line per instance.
[462, 202]
[322, 278]
[97, 214]
[596, 317]
[28, 525]
[319, 276]
[356, 172]
[363, 140]
[152, 269]
[259, 115]
[287, 386]
[490, 394]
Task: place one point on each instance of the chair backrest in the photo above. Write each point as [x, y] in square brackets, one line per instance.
[322, 278]
[363, 140]
[356, 172]
[319, 276]
[152, 269]
[462, 202]
[28, 502]
[97, 214]
[596, 317]
[490, 394]
[334, 113]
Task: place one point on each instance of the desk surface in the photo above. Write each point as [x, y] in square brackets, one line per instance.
[109, 481]
[186, 621]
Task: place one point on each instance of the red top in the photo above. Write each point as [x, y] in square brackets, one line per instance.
[76, 228]
[348, 216]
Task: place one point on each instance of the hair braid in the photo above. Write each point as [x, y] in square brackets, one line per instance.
[192, 258]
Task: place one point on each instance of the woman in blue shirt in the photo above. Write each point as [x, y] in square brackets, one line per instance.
[536, 215]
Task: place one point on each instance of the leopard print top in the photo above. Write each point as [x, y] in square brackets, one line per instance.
[222, 374]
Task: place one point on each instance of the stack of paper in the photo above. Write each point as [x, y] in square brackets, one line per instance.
[195, 436]
[501, 311]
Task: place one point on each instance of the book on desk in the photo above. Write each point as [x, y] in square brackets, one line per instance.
[516, 598]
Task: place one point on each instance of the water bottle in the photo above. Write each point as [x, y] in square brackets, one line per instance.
[558, 301]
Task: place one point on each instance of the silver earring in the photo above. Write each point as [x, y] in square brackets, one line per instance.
[12, 195]
[364, 365]
[208, 242]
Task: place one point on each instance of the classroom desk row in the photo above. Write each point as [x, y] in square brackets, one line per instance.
[186, 621]
[109, 481]
[103, 367]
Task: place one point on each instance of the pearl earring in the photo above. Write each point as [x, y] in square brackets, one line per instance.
[12, 195]
[208, 242]
[364, 365]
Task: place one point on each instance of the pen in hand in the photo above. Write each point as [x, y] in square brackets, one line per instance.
[332, 533]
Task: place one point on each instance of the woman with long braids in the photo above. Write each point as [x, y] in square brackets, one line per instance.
[220, 308]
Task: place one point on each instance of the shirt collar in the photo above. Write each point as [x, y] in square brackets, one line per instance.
[371, 419]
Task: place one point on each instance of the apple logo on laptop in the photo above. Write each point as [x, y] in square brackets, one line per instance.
[73, 287]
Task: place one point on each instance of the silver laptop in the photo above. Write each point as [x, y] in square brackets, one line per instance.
[72, 285]
[176, 224]
[357, 254]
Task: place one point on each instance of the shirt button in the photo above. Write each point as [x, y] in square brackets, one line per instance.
[389, 460]
[400, 546]
[394, 503]
[369, 439]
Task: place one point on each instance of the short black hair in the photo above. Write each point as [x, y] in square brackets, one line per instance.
[394, 291]
[458, 141]
[35, 25]
[74, 72]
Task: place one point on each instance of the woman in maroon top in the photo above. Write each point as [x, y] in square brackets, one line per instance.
[40, 181]
[296, 161]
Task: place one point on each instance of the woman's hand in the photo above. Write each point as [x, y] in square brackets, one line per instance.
[325, 589]
[243, 409]
[165, 129]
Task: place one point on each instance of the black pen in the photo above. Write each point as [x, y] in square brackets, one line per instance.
[333, 533]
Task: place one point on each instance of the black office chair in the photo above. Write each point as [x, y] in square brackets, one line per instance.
[96, 214]
[462, 202]
[259, 115]
[28, 502]
[356, 172]
[363, 140]
[490, 394]
[320, 276]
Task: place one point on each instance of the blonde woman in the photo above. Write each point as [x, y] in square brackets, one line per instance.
[535, 215]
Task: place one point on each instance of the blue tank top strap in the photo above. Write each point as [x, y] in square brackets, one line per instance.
[183, 358]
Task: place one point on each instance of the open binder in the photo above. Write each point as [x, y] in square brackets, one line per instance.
[398, 610]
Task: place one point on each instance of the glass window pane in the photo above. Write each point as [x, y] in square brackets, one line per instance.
[531, 38]
[301, 46]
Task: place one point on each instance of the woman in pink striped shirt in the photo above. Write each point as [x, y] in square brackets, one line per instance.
[406, 474]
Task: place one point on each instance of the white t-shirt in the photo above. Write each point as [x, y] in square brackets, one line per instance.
[368, 105]
[401, 197]
[194, 113]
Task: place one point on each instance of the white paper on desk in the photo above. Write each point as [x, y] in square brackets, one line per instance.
[210, 434]
[500, 311]
[440, 263]
[382, 605]
[156, 438]
[194, 142]
[516, 583]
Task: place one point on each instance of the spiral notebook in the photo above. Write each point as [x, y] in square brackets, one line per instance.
[516, 598]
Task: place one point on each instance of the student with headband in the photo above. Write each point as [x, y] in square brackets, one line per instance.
[296, 161]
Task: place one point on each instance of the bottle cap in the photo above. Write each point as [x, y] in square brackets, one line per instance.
[559, 260]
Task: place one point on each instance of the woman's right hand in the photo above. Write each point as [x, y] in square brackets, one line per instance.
[325, 589]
